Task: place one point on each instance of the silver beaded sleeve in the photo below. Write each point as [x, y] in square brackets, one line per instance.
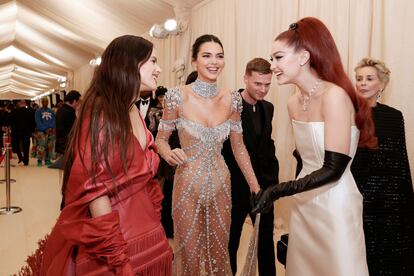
[237, 145]
[172, 102]
[167, 125]
[236, 126]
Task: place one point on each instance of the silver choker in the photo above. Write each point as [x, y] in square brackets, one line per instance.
[204, 89]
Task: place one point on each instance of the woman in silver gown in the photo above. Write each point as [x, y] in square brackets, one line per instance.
[204, 116]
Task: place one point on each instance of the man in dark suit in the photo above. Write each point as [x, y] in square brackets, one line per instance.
[144, 103]
[22, 127]
[65, 118]
[256, 118]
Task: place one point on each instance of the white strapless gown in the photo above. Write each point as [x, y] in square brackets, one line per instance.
[326, 236]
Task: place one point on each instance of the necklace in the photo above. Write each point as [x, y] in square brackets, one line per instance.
[306, 98]
[204, 89]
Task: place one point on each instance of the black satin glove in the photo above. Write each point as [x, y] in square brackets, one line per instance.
[333, 167]
[254, 198]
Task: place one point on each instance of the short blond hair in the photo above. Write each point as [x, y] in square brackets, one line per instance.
[258, 65]
[382, 70]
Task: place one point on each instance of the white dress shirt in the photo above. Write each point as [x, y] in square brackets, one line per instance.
[143, 107]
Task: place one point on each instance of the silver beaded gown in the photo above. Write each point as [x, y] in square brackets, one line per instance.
[201, 195]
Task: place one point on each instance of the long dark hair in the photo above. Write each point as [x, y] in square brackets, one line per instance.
[312, 35]
[105, 108]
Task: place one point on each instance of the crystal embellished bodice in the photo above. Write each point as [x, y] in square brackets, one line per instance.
[205, 134]
[196, 139]
[200, 140]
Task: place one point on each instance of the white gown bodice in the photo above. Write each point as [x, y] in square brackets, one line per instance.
[325, 229]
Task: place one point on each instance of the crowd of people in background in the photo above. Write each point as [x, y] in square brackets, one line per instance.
[46, 128]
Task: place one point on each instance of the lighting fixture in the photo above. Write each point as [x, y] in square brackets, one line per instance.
[158, 31]
[95, 61]
[170, 25]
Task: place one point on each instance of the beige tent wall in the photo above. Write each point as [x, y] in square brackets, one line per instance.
[82, 77]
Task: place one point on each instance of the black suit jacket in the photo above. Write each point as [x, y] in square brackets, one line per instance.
[262, 153]
[152, 103]
[65, 118]
[21, 122]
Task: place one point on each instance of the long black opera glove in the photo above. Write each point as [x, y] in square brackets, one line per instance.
[333, 167]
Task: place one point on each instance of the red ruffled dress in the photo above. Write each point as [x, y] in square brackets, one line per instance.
[128, 241]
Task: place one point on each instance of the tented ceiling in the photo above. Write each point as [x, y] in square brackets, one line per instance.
[42, 40]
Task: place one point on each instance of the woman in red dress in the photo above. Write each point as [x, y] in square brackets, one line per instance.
[110, 223]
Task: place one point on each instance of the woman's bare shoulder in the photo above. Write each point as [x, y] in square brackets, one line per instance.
[336, 101]
[335, 94]
[184, 90]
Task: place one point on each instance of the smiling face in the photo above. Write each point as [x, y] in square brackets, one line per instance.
[368, 84]
[257, 86]
[149, 73]
[209, 62]
[286, 63]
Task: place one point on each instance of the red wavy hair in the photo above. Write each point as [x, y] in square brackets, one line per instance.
[312, 35]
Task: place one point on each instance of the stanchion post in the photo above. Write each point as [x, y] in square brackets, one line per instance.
[8, 209]
[6, 156]
[3, 149]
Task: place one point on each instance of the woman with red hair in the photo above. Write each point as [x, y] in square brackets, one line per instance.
[329, 122]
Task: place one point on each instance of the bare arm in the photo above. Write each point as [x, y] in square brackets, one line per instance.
[100, 206]
[338, 113]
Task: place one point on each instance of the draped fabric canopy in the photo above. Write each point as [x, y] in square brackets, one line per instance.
[42, 40]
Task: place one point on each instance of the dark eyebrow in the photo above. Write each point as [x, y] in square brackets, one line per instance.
[220, 53]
